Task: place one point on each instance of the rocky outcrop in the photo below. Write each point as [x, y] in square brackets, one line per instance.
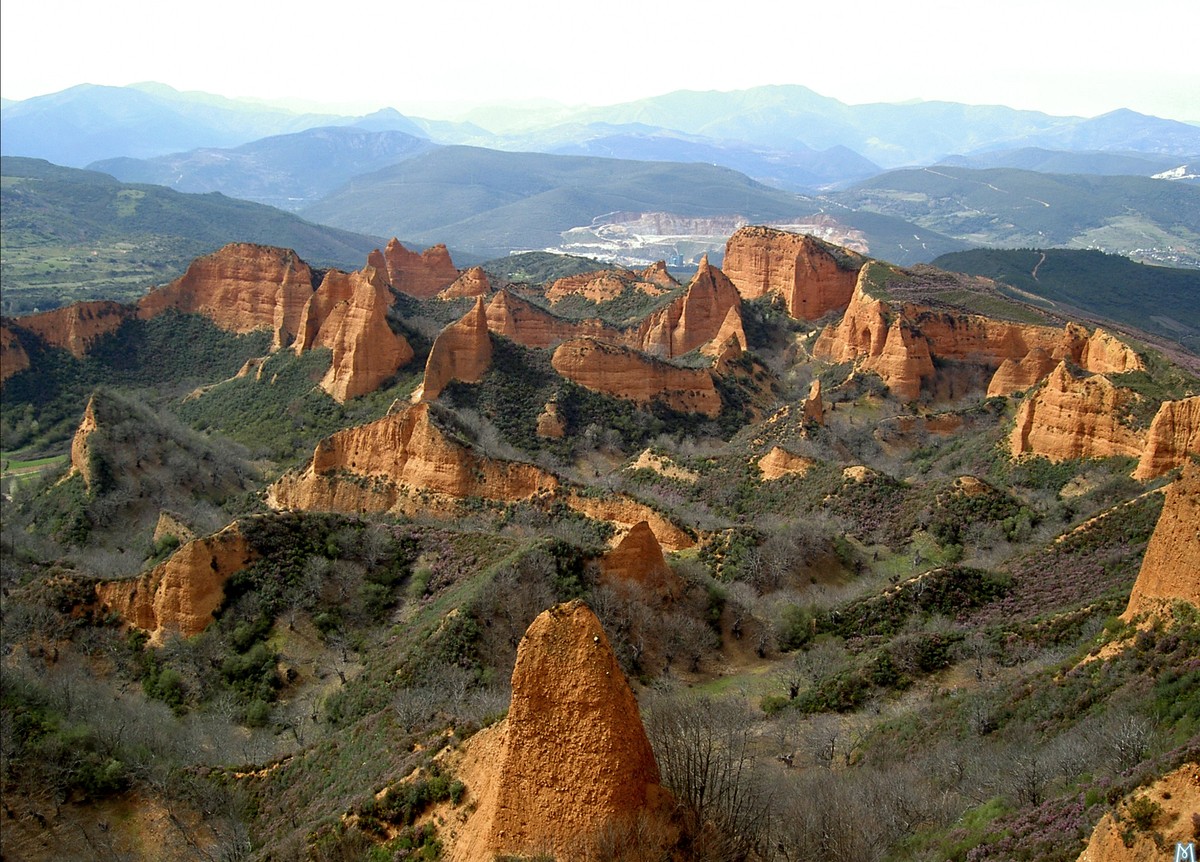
[388, 465]
[1017, 376]
[241, 288]
[1174, 435]
[695, 318]
[462, 351]
[1076, 417]
[169, 524]
[625, 513]
[730, 340]
[1118, 837]
[81, 461]
[607, 284]
[77, 327]
[422, 275]
[814, 408]
[900, 342]
[663, 466]
[180, 595]
[638, 559]
[625, 373]
[572, 757]
[13, 358]
[550, 425]
[779, 463]
[473, 282]
[521, 321]
[813, 277]
[348, 314]
[1171, 568]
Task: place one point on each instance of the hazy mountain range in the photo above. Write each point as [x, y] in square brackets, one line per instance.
[667, 177]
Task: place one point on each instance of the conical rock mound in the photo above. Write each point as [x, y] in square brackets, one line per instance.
[573, 756]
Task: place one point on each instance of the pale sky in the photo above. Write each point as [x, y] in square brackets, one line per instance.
[435, 58]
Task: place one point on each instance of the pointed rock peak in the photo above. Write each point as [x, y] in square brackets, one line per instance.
[814, 409]
[575, 758]
[656, 273]
[473, 282]
[462, 351]
[377, 260]
[638, 559]
[81, 461]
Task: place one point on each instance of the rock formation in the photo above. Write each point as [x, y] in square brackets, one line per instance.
[663, 466]
[695, 318]
[1171, 568]
[348, 314]
[462, 351]
[813, 277]
[1076, 417]
[900, 341]
[523, 322]
[422, 275]
[626, 513]
[169, 524]
[607, 284]
[1174, 434]
[81, 461]
[1177, 796]
[571, 758]
[550, 425]
[1017, 376]
[779, 463]
[473, 282]
[638, 559]
[241, 288]
[814, 408]
[730, 340]
[180, 595]
[387, 464]
[13, 358]
[625, 373]
[76, 327]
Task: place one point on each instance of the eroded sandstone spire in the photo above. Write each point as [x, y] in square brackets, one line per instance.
[572, 757]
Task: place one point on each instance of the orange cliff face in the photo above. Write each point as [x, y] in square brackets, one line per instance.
[422, 275]
[1174, 435]
[1171, 568]
[385, 465]
[521, 321]
[180, 595]
[806, 272]
[241, 288]
[348, 314]
[625, 373]
[709, 310]
[571, 759]
[13, 358]
[1076, 417]
[76, 328]
[462, 351]
[900, 342]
